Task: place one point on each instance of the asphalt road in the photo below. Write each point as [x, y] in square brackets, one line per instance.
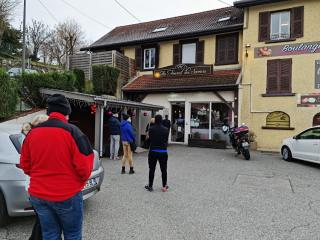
[213, 195]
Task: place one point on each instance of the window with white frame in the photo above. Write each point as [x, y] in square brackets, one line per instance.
[280, 25]
[149, 58]
[189, 53]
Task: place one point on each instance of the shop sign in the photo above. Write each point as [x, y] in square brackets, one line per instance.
[317, 83]
[309, 100]
[278, 120]
[183, 70]
[288, 49]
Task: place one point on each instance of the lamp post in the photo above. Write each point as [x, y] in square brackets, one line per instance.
[24, 38]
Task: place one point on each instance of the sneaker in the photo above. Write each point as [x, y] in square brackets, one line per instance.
[150, 189]
[165, 189]
[116, 158]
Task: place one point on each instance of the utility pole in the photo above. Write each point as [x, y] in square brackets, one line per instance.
[24, 37]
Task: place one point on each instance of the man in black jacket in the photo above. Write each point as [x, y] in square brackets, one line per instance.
[158, 135]
[114, 128]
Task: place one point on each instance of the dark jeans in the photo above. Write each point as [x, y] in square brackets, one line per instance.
[153, 158]
[58, 217]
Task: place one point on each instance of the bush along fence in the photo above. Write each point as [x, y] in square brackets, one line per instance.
[8, 95]
[79, 79]
[105, 79]
[30, 84]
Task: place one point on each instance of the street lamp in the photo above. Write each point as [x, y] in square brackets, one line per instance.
[24, 38]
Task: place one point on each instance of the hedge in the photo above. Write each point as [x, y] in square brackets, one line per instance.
[55, 80]
[8, 95]
[104, 79]
[80, 79]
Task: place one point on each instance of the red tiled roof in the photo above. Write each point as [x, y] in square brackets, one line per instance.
[222, 79]
[177, 27]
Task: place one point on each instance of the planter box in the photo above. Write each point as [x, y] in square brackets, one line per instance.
[201, 143]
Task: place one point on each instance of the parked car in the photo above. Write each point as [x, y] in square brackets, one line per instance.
[13, 195]
[17, 71]
[305, 146]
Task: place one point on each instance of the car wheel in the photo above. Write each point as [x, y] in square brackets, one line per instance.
[286, 154]
[4, 217]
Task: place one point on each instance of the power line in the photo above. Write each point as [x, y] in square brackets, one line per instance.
[130, 13]
[86, 15]
[50, 13]
[225, 2]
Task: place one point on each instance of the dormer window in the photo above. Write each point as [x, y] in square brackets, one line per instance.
[149, 58]
[159, 29]
[280, 25]
[223, 19]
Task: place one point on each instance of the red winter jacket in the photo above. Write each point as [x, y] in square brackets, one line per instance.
[58, 157]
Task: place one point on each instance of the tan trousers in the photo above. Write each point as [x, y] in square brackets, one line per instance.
[127, 154]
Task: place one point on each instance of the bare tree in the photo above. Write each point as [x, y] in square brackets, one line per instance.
[70, 35]
[6, 10]
[56, 49]
[38, 33]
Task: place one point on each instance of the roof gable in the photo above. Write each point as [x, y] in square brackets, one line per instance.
[197, 23]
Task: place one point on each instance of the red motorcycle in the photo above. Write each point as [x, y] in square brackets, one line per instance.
[239, 138]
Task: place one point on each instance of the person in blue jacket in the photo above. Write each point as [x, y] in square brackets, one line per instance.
[127, 137]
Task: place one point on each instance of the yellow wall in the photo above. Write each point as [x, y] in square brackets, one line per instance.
[166, 53]
[255, 73]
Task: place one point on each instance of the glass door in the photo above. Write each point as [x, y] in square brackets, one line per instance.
[200, 120]
[178, 121]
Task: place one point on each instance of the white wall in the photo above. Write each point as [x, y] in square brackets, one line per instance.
[164, 99]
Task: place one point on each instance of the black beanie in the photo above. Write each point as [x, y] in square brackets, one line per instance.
[58, 103]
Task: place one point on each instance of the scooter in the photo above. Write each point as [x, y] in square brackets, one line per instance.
[239, 138]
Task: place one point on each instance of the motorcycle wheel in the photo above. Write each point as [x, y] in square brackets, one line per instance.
[246, 154]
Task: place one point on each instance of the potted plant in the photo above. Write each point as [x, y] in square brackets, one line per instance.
[252, 139]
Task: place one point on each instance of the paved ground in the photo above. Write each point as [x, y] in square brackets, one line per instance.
[213, 195]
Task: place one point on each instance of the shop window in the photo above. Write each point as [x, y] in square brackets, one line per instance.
[279, 73]
[199, 123]
[278, 120]
[149, 58]
[189, 53]
[316, 120]
[281, 25]
[227, 49]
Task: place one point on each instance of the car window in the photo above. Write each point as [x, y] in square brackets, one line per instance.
[311, 134]
[17, 140]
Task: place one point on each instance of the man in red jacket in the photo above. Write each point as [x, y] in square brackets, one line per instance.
[58, 157]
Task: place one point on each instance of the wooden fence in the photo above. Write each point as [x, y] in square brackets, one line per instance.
[84, 61]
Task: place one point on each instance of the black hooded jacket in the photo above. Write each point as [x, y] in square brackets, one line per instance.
[158, 135]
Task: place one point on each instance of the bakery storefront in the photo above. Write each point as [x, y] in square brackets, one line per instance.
[197, 99]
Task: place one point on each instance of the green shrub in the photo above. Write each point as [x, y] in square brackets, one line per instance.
[33, 82]
[8, 95]
[80, 79]
[104, 79]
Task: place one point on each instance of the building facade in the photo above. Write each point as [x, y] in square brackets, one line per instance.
[280, 89]
[190, 64]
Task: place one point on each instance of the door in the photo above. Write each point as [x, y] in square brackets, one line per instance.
[178, 122]
[306, 146]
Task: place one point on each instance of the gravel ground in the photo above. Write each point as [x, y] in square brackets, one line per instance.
[213, 195]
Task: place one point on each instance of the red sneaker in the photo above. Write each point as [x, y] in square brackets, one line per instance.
[165, 189]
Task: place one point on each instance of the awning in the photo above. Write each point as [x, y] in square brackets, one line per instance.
[108, 101]
[218, 80]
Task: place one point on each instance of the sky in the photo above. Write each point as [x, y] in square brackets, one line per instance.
[97, 17]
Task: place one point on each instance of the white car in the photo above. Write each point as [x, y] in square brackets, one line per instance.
[305, 146]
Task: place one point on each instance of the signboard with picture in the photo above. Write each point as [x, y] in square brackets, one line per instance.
[309, 100]
[288, 49]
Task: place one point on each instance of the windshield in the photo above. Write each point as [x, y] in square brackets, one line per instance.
[17, 140]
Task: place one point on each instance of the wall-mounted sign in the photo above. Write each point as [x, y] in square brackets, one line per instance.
[288, 49]
[317, 75]
[183, 70]
[278, 120]
[309, 100]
